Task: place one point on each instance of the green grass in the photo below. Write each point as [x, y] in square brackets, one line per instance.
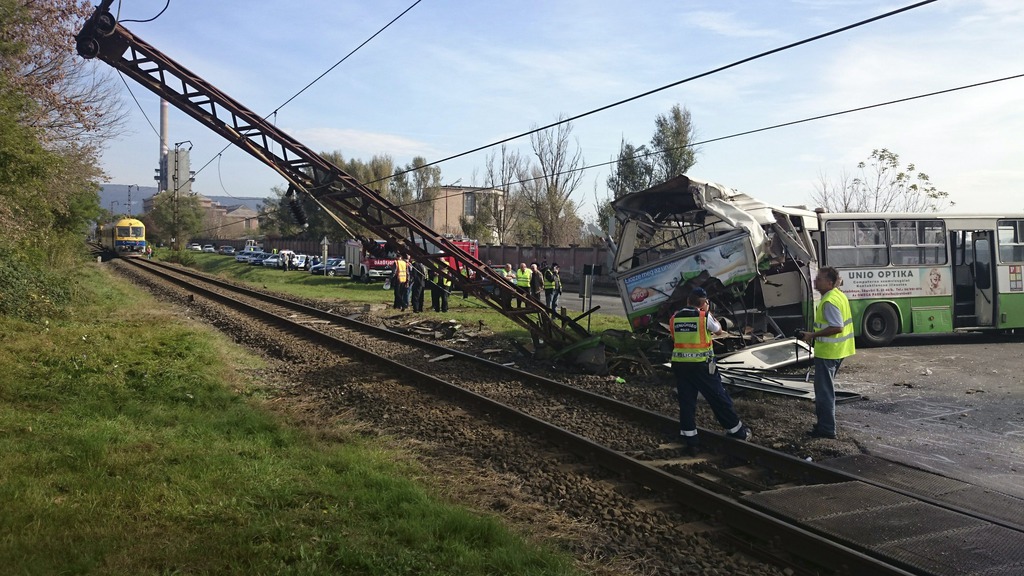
[469, 311]
[132, 443]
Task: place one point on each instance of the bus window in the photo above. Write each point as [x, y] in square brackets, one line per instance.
[917, 242]
[982, 264]
[850, 243]
[1011, 240]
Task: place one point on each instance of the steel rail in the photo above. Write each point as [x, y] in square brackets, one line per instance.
[737, 515]
[796, 468]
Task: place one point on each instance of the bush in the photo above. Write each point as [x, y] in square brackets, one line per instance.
[31, 287]
[183, 257]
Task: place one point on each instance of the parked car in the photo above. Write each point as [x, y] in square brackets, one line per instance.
[300, 262]
[244, 256]
[500, 271]
[272, 261]
[195, 246]
[209, 248]
[226, 250]
[332, 267]
[257, 259]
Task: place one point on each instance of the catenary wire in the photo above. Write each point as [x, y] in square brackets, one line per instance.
[754, 131]
[674, 84]
[318, 78]
[762, 129]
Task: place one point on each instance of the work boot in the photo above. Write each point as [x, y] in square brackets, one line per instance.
[741, 434]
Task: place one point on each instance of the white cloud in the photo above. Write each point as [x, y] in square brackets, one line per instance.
[727, 24]
[361, 144]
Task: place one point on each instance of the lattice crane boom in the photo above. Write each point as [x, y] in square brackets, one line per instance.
[103, 38]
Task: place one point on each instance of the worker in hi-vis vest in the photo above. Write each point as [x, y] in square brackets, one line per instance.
[523, 277]
[693, 363]
[833, 340]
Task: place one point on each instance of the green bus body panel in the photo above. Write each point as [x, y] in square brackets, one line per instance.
[935, 320]
[1010, 311]
[924, 315]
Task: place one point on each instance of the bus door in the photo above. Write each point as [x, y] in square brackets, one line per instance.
[984, 277]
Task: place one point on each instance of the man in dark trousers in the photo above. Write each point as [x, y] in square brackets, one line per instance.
[439, 287]
[693, 362]
[417, 281]
[552, 287]
[400, 282]
[833, 340]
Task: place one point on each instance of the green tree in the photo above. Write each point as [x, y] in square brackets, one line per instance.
[414, 188]
[634, 171]
[671, 143]
[176, 218]
[48, 162]
[880, 184]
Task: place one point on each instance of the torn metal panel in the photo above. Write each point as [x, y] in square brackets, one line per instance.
[687, 233]
[796, 388]
[768, 355]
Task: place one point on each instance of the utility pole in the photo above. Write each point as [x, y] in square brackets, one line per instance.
[130, 197]
[181, 180]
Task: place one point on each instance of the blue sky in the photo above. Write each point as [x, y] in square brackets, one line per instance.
[454, 75]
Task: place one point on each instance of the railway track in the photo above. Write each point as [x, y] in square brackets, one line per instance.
[803, 508]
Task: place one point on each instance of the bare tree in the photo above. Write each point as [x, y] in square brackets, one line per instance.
[881, 185]
[75, 100]
[835, 196]
[504, 170]
[557, 174]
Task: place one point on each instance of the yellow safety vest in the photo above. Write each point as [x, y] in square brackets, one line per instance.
[549, 284]
[401, 271]
[523, 278]
[838, 345]
[690, 340]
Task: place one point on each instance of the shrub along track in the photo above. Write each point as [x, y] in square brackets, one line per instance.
[628, 524]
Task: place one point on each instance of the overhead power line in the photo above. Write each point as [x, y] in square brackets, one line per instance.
[320, 77]
[766, 128]
[679, 82]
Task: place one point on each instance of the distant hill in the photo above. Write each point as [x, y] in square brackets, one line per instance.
[110, 193]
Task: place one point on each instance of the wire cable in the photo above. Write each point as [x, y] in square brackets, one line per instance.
[354, 50]
[318, 78]
[763, 129]
[141, 109]
[148, 20]
[677, 83]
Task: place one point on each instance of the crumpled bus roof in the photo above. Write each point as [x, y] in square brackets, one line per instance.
[686, 199]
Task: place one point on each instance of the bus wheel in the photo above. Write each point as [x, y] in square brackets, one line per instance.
[365, 278]
[880, 325]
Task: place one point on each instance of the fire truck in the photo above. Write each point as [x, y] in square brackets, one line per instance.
[369, 259]
[372, 259]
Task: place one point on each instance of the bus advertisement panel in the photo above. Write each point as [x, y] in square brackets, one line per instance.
[865, 283]
[729, 259]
